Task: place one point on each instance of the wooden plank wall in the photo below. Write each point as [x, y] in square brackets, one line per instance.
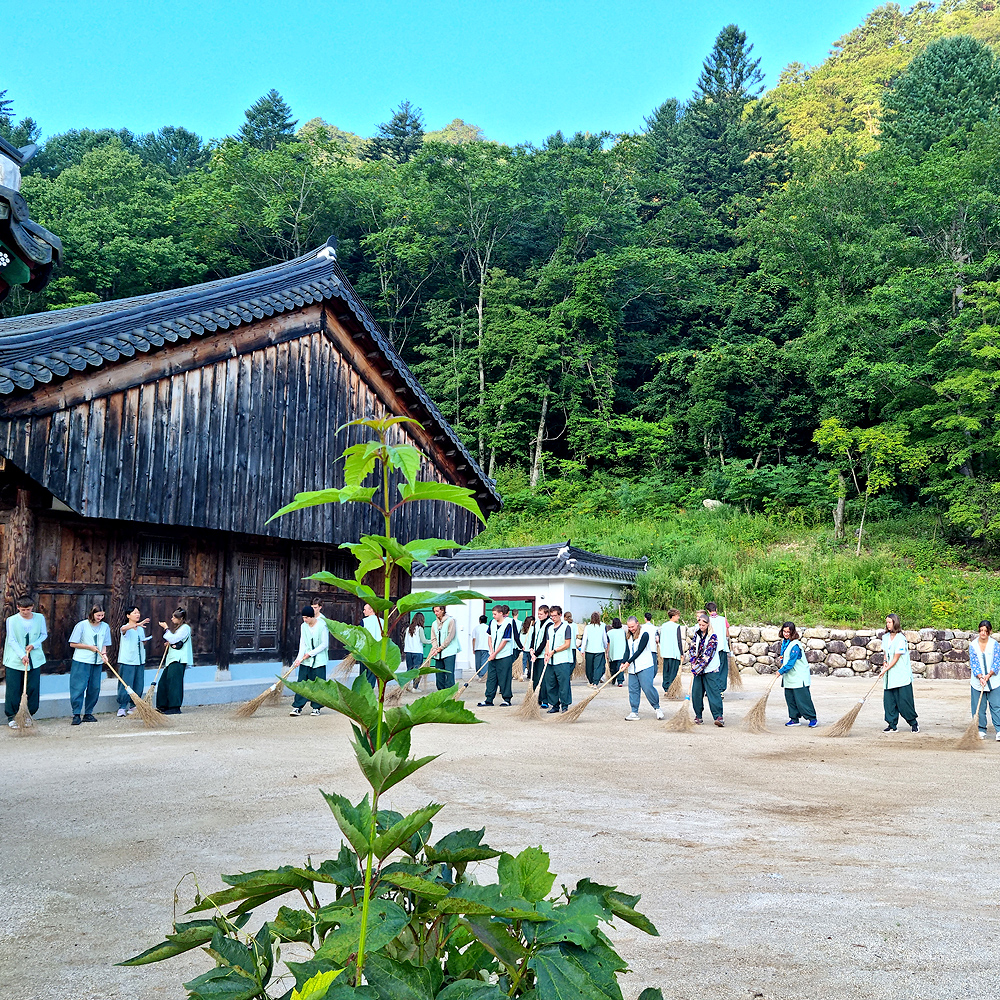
[221, 446]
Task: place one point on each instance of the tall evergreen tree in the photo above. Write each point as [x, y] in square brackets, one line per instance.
[176, 149]
[947, 89]
[400, 138]
[17, 133]
[268, 122]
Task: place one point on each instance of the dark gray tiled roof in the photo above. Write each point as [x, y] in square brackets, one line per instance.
[536, 560]
[44, 346]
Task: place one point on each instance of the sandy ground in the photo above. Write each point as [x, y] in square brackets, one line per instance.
[775, 866]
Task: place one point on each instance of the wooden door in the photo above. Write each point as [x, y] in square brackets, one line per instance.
[260, 600]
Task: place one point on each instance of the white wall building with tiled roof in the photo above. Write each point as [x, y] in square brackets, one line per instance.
[578, 581]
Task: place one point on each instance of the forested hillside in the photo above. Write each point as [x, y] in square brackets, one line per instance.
[768, 298]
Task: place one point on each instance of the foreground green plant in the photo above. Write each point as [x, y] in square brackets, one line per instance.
[397, 914]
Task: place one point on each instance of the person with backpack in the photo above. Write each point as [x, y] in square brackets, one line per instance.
[795, 678]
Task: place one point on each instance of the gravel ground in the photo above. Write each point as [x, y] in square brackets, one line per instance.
[776, 866]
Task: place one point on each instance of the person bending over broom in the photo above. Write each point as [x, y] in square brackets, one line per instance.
[314, 639]
[23, 658]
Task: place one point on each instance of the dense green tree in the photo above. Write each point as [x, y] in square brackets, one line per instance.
[952, 86]
[173, 148]
[17, 133]
[269, 122]
[67, 149]
[400, 138]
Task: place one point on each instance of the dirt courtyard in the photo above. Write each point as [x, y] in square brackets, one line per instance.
[775, 866]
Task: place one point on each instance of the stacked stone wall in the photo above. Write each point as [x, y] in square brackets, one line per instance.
[935, 653]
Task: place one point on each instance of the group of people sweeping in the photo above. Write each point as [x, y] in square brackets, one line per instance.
[91, 642]
[547, 651]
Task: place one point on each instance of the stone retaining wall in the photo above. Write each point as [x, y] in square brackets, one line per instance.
[848, 652]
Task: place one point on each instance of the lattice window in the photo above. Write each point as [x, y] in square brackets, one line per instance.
[160, 553]
[246, 595]
[270, 610]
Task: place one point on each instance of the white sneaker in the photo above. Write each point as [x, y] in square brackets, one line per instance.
[131, 710]
[315, 711]
[982, 735]
[632, 717]
[659, 713]
[122, 712]
[295, 711]
[998, 737]
[12, 724]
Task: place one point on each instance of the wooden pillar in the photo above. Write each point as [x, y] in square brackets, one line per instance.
[19, 544]
[121, 575]
[227, 597]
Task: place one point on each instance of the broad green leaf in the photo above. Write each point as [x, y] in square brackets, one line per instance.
[292, 925]
[399, 833]
[499, 939]
[458, 495]
[316, 498]
[621, 904]
[651, 993]
[357, 702]
[460, 848]
[354, 821]
[368, 555]
[304, 971]
[417, 885]
[471, 989]
[223, 983]
[341, 871]
[398, 980]
[185, 937]
[526, 875]
[602, 964]
[253, 888]
[361, 590]
[574, 921]
[368, 649]
[406, 459]
[430, 599]
[385, 768]
[486, 900]
[380, 424]
[438, 706]
[229, 951]
[421, 549]
[559, 977]
[359, 460]
[385, 921]
[318, 987]
[263, 953]
[472, 959]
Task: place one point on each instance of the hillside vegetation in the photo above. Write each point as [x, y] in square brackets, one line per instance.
[758, 567]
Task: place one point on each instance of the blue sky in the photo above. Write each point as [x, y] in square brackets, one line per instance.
[520, 70]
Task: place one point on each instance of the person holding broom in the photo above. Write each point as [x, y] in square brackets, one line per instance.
[795, 678]
[616, 651]
[640, 655]
[89, 641]
[703, 656]
[897, 697]
[560, 658]
[131, 659]
[670, 645]
[314, 641]
[444, 646]
[500, 662]
[23, 658]
[720, 626]
[180, 656]
[984, 658]
[539, 643]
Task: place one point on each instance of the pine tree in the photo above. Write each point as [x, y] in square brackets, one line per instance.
[18, 134]
[661, 134]
[947, 89]
[400, 138]
[268, 122]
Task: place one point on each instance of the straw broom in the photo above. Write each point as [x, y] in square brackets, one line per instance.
[756, 719]
[23, 716]
[844, 724]
[579, 668]
[150, 717]
[969, 740]
[518, 667]
[676, 690]
[529, 707]
[682, 721]
[148, 696]
[575, 711]
[393, 696]
[345, 666]
[735, 679]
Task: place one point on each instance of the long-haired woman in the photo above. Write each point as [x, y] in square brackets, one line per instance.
[180, 656]
[527, 656]
[595, 647]
[413, 645]
[706, 680]
[89, 640]
[897, 698]
[795, 678]
[984, 658]
[616, 650]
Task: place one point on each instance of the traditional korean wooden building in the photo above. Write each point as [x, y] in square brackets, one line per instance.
[144, 444]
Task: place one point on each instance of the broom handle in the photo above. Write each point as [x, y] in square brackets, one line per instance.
[107, 663]
[159, 669]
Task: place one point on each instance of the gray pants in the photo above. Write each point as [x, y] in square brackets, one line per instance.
[481, 656]
[134, 675]
[646, 681]
[84, 679]
[991, 698]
